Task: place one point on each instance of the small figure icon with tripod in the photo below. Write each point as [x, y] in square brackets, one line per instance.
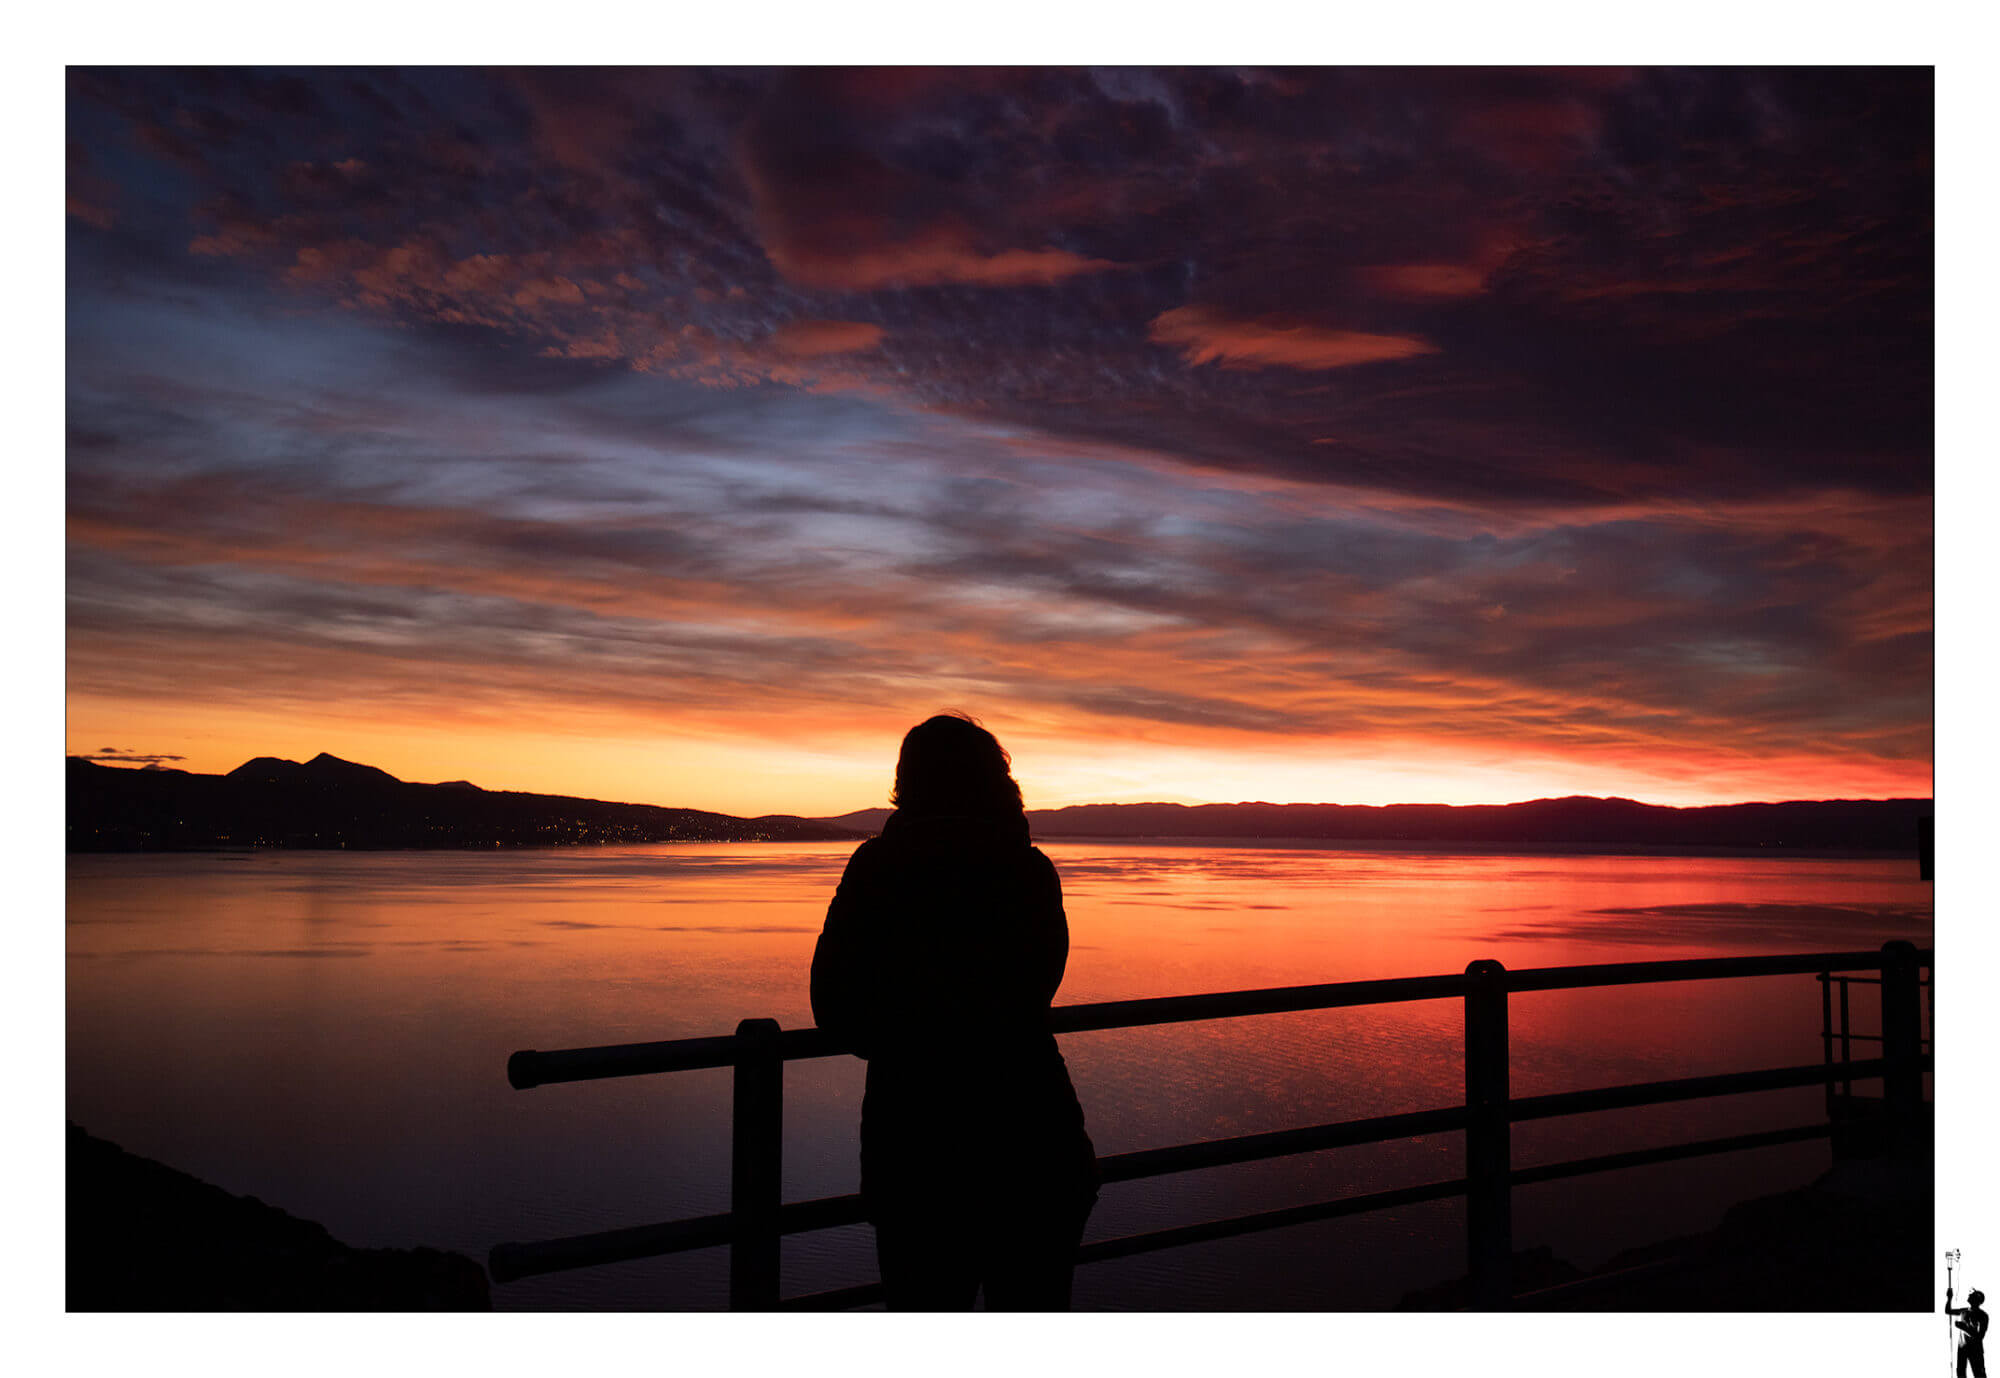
[1971, 1325]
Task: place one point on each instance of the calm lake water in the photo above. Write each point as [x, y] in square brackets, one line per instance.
[328, 1031]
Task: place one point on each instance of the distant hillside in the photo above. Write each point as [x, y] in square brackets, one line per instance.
[1875, 825]
[328, 802]
[861, 820]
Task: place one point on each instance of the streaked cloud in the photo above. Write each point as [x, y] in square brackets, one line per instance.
[1564, 426]
[1204, 336]
[810, 339]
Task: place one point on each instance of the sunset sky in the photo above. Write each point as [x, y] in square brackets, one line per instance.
[1351, 435]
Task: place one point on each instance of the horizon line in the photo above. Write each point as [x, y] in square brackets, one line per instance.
[122, 761]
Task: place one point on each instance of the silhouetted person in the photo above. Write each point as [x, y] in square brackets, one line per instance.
[1972, 1344]
[942, 950]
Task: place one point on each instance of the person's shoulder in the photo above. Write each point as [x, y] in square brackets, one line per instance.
[872, 852]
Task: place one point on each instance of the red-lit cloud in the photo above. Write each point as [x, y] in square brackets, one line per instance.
[931, 256]
[812, 339]
[1205, 336]
[1563, 430]
[1423, 280]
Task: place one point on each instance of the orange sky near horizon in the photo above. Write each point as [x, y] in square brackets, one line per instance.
[825, 769]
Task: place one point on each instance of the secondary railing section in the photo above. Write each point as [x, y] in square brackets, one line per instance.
[758, 1217]
[1843, 1100]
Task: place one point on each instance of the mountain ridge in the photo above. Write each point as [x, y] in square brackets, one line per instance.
[1883, 825]
[329, 802]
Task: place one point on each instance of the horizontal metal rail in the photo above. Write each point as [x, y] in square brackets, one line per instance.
[1867, 1038]
[1179, 1235]
[1669, 1153]
[1688, 969]
[1154, 1162]
[1488, 1113]
[1687, 1088]
[509, 1262]
[531, 1068]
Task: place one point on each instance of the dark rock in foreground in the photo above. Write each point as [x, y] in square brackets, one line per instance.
[144, 1237]
[1858, 1239]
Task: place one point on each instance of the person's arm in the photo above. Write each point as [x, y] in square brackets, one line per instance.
[844, 970]
[1052, 931]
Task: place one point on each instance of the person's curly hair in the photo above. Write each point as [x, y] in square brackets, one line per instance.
[951, 765]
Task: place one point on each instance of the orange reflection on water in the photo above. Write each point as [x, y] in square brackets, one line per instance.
[329, 1031]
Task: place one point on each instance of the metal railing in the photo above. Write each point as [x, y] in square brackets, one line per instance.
[758, 1217]
[1843, 1100]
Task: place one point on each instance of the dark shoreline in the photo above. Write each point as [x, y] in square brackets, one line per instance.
[1321, 844]
[327, 804]
[1448, 847]
[142, 1236]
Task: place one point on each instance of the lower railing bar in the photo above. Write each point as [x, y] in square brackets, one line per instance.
[1642, 1157]
[1267, 1220]
[620, 1246]
[1151, 1162]
[846, 1297]
[1128, 1245]
[1688, 1088]
[823, 1214]
[506, 1262]
[510, 1261]
[1688, 969]
[650, 1241]
[840, 1299]
[1874, 1038]
[1846, 1038]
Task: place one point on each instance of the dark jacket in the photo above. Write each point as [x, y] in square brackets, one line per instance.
[941, 953]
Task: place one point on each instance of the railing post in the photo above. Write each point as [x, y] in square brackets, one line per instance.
[1846, 1043]
[1489, 1208]
[755, 1184]
[1902, 1046]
